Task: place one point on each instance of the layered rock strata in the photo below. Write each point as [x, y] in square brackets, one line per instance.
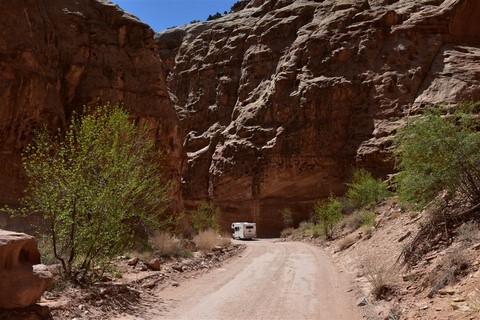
[56, 56]
[23, 279]
[279, 100]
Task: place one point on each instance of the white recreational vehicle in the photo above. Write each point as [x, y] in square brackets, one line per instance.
[244, 230]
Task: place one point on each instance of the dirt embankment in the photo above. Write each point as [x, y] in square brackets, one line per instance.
[444, 284]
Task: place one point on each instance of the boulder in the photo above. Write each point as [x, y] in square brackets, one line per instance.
[155, 264]
[23, 279]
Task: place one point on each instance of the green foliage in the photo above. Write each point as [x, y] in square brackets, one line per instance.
[95, 184]
[205, 217]
[367, 218]
[359, 219]
[438, 152]
[329, 214]
[215, 16]
[287, 218]
[364, 189]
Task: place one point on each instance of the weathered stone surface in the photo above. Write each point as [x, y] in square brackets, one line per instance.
[22, 278]
[280, 99]
[57, 56]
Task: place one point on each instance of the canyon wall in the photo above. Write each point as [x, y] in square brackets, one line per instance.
[56, 56]
[281, 99]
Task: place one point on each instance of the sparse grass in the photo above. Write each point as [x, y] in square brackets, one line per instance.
[453, 267]
[367, 231]
[165, 244]
[224, 240]
[395, 312]
[144, 255]
[287, 232]
[474, 300]
[305, 230]
[206, 240]
[379, 276]
[360, 218]
[316, 230]
[346, 242]
[304, 226]
[469, 232]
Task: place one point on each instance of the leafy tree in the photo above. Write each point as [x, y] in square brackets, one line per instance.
[205, 217]
[329, 214]
[440, 152]
[364, 189]
[96, 184]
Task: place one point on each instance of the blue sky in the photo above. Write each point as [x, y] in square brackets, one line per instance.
[161, 14]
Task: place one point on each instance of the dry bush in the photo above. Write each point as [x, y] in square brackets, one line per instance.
[453, 267]
[474, 300]
[206, 240]
[304, 226]
[359, 219]
[346, 242]
[224, 240]
[379, 276]
[367, 231]
[165, 244]
[308, 229]
[144, 255]
[469, 232]
[287, 232]
[395, 312]
[439, 228]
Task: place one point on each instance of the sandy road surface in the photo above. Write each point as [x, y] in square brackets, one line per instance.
[271, 280]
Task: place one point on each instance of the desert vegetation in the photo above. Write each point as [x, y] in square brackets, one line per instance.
[437, 153]
[438, 157]
[352, 210]
[100, 188]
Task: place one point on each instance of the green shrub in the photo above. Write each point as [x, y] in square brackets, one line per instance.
[96, 184]
[438, 152]
[205, 217]
[360, 218]
[367, 218]
[363, 189]
[329, 214]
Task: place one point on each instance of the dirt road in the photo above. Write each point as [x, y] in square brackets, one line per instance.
[271, 280]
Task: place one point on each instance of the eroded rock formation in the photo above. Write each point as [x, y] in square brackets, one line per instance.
[23, 279]
[56, 56]
[280, 99]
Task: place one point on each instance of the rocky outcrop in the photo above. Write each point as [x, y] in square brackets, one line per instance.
[23, 279]
[279, 100]
[57, 56]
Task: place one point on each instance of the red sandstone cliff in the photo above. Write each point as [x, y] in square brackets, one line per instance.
[56, 56]
[281, 98]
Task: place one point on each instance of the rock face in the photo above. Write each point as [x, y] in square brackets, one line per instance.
[57, 56]
[23, 279]
[280, 99]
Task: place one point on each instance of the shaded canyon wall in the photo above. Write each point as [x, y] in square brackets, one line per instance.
[56, 56]
[279, 100]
